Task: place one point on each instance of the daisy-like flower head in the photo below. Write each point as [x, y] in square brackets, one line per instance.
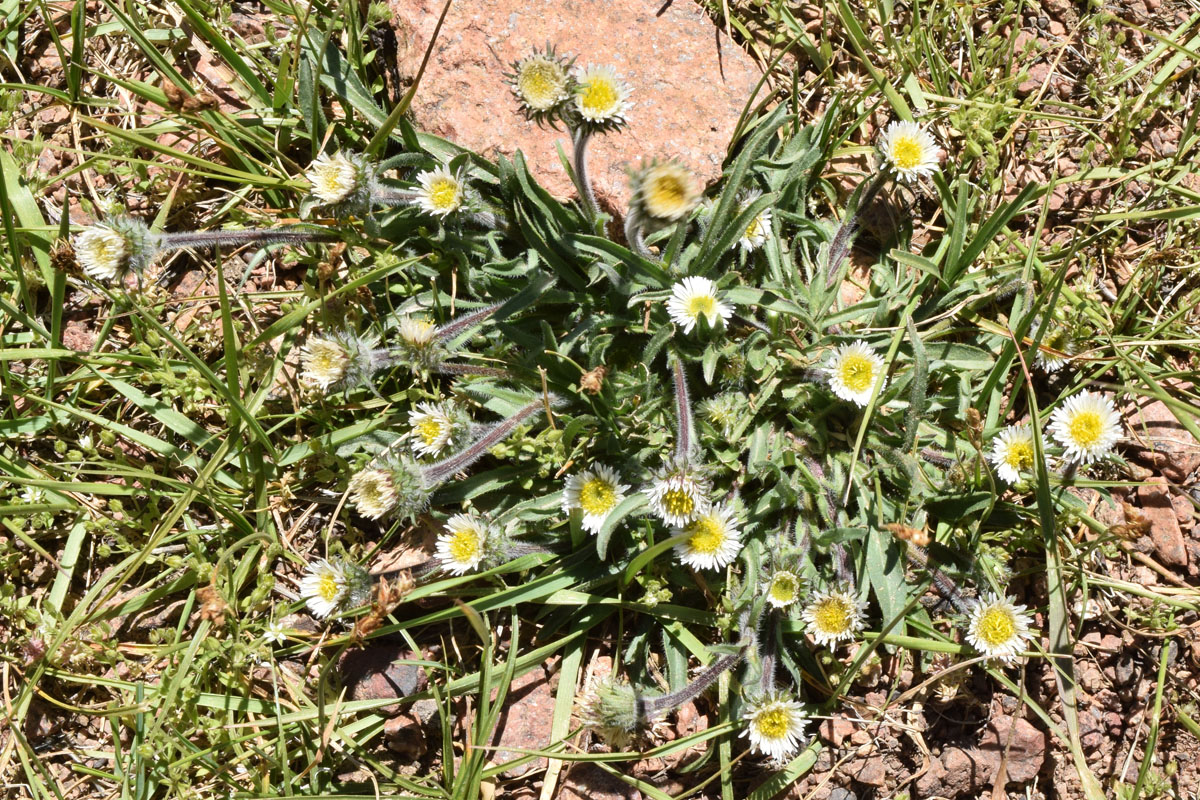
[416, 332]
[442, 192]
[834, 615]
[340, 360]
[601, 98]
[775, 724]
[611, 709]
[595, 492]
[679, 494]
[542, 84]
[464, 545]
[108, 251]
[1059, 339]
[663, 192]
[783, 588]
[696, 297]
[434, 426]
[1012, 452]
[998, 628]
[909, 150]
[339, 178]
[759, 227]
[853, 371]
[713, 540]
[324, 587]
[373, 492]
[1087, 426]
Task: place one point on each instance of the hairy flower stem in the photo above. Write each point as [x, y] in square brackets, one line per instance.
[468, 369]
[586, 193]
[652, 706]
[840, 246]
[942, 582]
[177, 241]
[441, 471]
[633, 235]
[767, 656]
[465, 322]
[940, 459]
[685, 432]
[841, 564]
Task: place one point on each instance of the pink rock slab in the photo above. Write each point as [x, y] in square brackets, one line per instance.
[689, 81]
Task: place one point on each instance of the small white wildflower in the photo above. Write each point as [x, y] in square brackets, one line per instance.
[442, 192]
[1012, 452]
[679, 495]
[1087, 426]
[373, 492]
[713, 540]
[834, 615]
[775, 724]
[601, 97]
[102, 252]
[275, 633]
[853, 371]
[541, 83]
[416, 331]
[333, 178]
[33, 495]
[759, 227]
[697, 297]
[323, 587]
[595, 492]
[910, 150]
[433, 427]
[325, 362]
[783, 589]
[998, 628]
[464, 545]
[665, 192]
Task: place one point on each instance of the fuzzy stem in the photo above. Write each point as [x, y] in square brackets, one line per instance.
[633, 235]
[489, 219]
[176, 241]
[840, 246]
[934, 457]
[841, 564]
[685, 438]
[582, 137]
[767, 655]
[393, 197]
[657, 705]
[439, 472]
[457, 326]
[942, 582]
[468, 369]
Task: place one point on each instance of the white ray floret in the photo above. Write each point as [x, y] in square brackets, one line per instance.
[998, 628]
[853, 370]
[1012, 453]
[1087, 426]
[323, 587]
[909, 150]
[697, 297]
[595, 492]
[713, 540]
[464, 545]
[775, 724]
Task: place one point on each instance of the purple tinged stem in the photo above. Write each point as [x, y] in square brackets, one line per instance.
[441, 471]
[685, 439]
[176, 241]
[465, 322]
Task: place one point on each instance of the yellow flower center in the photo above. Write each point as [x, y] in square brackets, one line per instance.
[772, 724]
[416, 331]
[109, 248]
[598, 96]
[679, 502]
[754, 229]
[375, 490]
[464, 546]
[996, 627]
[701, 305]
[783, 588]
[540, 84]
[857, 372]
[1019, 455]
[327, 361]
[666, 195]
[906, 152]
[430, 430]
[1085, 428]
[832, 615]
[328, 587]
[597, 496]
[443, 193]
[706, 535]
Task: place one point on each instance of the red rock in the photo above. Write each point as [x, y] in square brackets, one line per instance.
[835, 730]
[689, 82]
[1152, 425]
[584, 781]
[375, 673]
[872, 771]
[1024, 744]
[526, 720]
[1155, 501]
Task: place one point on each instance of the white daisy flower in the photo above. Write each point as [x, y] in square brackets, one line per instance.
[665, 192]
[1012, 452]
[783, 589]
[1056, 350]
[713, 540]
[325, 362]
[1087, 426]
[834, 615]
[333, 178]
[416, 331]
[464, 545]
[433, 427]
[679, 495]
[759, 227]
[595, 492]
[601, 97]
[275, 632]
[775, 724]
[442, 192]
[697, 297]
[853, 371]
[540, 82]
[373, 492]
[998, 628]
[910, 150]
[102, 252]
[323, 587]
